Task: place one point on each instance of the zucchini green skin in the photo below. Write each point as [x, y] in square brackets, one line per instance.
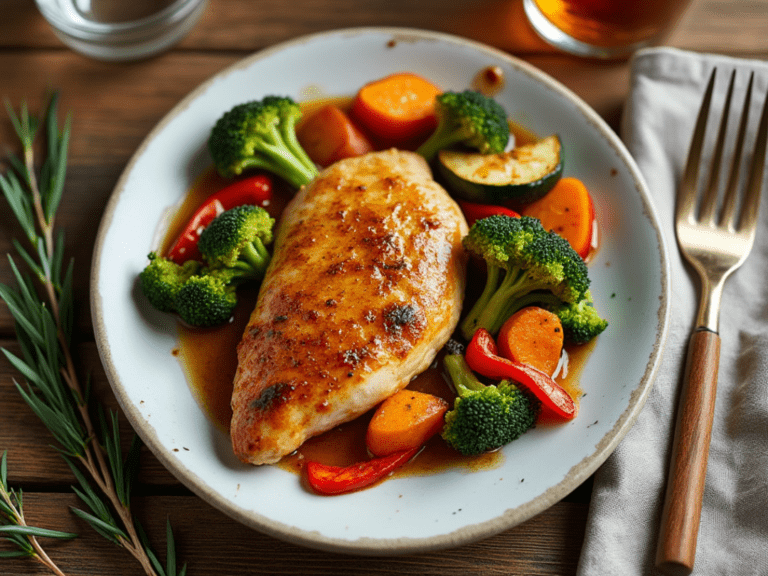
[498, 178]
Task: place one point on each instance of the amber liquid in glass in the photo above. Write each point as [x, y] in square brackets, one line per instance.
[612, 23]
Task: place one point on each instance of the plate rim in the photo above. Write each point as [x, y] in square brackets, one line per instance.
[391, 546]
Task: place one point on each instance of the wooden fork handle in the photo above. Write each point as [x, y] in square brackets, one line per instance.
[685, 485]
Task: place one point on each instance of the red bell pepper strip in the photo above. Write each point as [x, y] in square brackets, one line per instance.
[255, 190]
[474, 211]
[482, 357]
[330, 480]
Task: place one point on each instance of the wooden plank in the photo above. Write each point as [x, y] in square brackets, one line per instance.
[114, 107]
[735, 27]
[727, 26]
[211, 543]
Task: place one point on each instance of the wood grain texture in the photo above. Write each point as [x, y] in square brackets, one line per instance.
[726, 26]
[114, 107]
[688, 469]
[211, 543]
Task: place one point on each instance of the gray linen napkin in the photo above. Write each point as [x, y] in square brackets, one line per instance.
[666, 90]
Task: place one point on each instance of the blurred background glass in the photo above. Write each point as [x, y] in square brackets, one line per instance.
[603, 28]
[121, 29]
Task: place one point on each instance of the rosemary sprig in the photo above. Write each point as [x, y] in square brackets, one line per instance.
[14, 528]
[51, 387]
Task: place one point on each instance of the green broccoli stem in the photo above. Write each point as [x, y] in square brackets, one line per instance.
[461, 375]
[284, 139]
[443, 137]
[278, 160]
[289, 137]
[493, 278]
[278, 155]
[533, 298]
[253, 260]
[490, 312]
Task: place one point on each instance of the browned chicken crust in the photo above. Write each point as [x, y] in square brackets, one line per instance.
[364, 288]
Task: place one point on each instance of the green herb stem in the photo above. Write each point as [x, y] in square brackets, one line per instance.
[14, 528]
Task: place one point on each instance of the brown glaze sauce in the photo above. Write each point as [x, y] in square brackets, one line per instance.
[209, 359]
[489, 81]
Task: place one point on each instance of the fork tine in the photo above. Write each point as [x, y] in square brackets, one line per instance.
[729, 204]
[748, 218]
[686, 198]
[709, 202]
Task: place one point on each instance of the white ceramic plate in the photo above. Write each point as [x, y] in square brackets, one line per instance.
[630, 285]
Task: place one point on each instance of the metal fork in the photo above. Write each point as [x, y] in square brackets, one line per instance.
[715, 247]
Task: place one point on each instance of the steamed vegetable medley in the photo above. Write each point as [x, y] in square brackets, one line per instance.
[531, 232]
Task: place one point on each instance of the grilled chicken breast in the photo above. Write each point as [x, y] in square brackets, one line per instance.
[364, 288]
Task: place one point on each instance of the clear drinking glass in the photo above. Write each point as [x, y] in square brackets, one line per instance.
[121, 29]
[603, 28]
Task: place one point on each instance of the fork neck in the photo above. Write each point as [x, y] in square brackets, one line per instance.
[708, 315]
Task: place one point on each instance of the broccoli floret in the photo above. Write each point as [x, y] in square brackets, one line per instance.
[581, 321]
[485, 417]
[206, 300]
[162, 279]
[262, 135]
[235, 240]
[467, 118]
[201, 297]
[233, 246]
[520, 257]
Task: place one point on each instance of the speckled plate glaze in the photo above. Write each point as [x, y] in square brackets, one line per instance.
[630, 283]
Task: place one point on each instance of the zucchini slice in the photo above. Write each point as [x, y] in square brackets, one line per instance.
[514, 178]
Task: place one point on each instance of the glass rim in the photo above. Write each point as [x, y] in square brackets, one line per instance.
[83, 29]
[557, 38]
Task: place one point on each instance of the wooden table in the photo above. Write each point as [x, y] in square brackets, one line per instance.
[114, 106]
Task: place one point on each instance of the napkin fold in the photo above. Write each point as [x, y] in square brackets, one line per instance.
[622, 530]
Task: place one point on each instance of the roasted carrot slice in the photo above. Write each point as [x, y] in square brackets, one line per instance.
[568, 210]
[404, 421]
[397, 108]
[532, 336]
[329, 135]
